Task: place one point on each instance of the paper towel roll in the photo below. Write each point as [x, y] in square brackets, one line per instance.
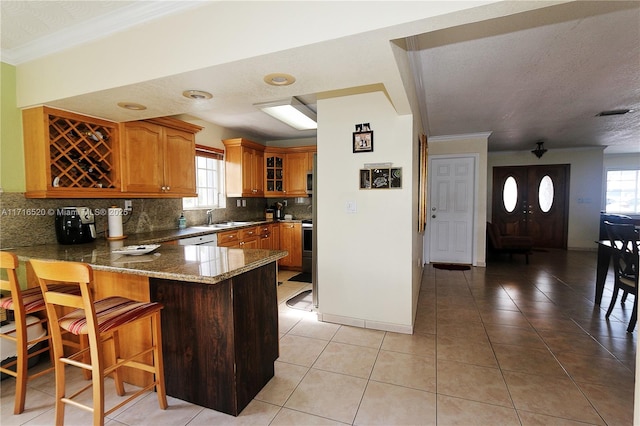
[115, 222]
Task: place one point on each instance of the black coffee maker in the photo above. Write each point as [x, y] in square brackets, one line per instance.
[75, 225]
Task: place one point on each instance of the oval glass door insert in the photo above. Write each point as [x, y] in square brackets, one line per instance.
[510, 194]
[545, 194]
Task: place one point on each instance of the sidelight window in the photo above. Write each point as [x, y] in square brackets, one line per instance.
[510, 194]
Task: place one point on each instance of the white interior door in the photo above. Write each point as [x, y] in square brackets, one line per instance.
[451, 204]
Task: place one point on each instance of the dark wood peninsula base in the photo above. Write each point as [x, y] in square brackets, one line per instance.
[220, 340]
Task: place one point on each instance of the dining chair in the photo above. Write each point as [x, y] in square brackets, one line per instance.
[101, 321]
[624, 248]
[29, 317]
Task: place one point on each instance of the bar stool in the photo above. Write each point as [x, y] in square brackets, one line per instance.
[24, 303]
[101, 321]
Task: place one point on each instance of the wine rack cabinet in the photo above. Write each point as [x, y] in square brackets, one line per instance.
[70, 155]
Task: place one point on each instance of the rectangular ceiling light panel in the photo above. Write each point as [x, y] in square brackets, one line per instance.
[292, 112]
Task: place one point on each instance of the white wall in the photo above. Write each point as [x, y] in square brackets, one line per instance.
[366, 262]
[473, 144]
[585, 187]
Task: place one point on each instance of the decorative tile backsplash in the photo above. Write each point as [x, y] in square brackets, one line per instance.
[29, 221]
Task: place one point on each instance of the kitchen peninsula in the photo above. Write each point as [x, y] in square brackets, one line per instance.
[220, 316]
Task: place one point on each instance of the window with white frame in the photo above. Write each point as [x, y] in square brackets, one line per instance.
[209, 180]
[623, 191]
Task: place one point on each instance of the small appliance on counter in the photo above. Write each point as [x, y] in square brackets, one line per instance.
[75, 225]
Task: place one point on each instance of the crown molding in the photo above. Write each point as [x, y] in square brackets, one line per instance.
[94, 29]
[479, 135]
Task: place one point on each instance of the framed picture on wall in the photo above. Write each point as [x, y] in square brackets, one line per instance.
[363, 138]
[365, 178]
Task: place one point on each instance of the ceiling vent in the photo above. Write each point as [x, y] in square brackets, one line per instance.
[613, 112]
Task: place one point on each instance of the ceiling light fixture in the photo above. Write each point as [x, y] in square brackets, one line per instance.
[198, 95]
[540, 150]
[279, 79]
[132, 106]
[292, 112]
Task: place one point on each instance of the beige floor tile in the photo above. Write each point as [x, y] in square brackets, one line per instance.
[401, 369]
[359, 336]
[312, 328]
[473, 331]
[256, 413]
[300, 350]
[386, 404]
[536, 419]
[331, 395]
[147, 412]
[282, 384]
[410, 344]
[578, 343]
[554, 396]
[504, 317]
[458, 315]
[473, 382]
[38, 405]
[466, 351]
[554, 323]
[456, 411]
[505, 334]
[347, 359]
[599, 370]
[288, 417]
[528, 360]
[614, 404]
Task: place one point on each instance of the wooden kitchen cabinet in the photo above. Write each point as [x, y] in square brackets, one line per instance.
[286, 171]
[158, 158]
[269, 236]
[244, 168]
[291, 241]
[69, 155]
[245, 238]
[297, 168]
[274, 173]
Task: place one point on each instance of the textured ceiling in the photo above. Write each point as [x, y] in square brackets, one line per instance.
[24, 22]
[542, 74]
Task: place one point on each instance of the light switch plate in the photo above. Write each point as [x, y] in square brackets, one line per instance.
[352, 207]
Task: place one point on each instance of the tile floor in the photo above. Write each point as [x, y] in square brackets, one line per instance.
[509, 344]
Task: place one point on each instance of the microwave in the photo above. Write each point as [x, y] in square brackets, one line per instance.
[310, 183]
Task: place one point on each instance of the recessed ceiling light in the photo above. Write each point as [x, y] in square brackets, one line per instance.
[279, 79]
[197, 94]
[614, 112]
[132, 106]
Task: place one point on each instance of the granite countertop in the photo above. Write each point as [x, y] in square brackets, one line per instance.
[201, 264]
[157, 237]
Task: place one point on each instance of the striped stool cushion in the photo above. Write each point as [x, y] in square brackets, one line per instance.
[32, 297]
[111, 312]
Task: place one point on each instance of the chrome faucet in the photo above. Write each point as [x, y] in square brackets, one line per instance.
[209, 217]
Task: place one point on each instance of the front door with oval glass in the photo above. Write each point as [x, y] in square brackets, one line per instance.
[532, 201]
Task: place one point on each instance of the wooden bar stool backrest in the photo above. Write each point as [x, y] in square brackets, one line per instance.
[22, 303]
[624, 245]
[100, 320]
